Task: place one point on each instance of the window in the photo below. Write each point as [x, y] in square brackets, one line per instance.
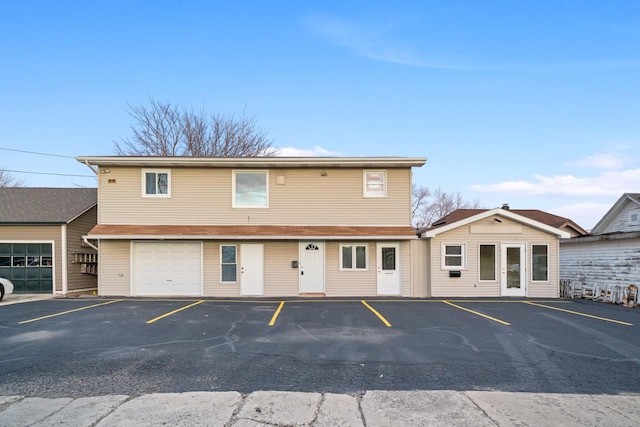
[353, 257]
[454, 256]
[228, 263]
[634, 217]
[157, 183]
[488, 262]
[250, 189]
[375, 184]
[540, 263]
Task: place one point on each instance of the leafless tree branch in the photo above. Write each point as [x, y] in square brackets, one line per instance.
[162, 129]
[429, 206]
[9, 180]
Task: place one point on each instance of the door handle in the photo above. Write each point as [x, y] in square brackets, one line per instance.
[302, 273]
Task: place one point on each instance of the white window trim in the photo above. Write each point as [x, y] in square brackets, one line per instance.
[531, 265]
[221, 264]
[364, 184]
[353, 256]
[233, 188]
[144, 183]
[495, 263]
[444, 253]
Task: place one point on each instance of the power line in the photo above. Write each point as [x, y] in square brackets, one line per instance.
[49, 173]
[35, 152]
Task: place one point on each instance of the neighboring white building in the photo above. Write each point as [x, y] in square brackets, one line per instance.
[610, 254]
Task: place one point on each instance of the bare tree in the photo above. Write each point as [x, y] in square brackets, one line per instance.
[429, 206]
[162, 129]
[8, 180]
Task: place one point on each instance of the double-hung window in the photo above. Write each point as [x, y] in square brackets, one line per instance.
[156, 183]
[454, 256]
[375, 184]
[540, 263]
[250, 189]
[353, 256]
[228, 263]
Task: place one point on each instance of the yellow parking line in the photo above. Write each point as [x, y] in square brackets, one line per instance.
[578, 313]
[67, 312]
[175, 311]
[276, 314]
[477, 313]
[380, 316]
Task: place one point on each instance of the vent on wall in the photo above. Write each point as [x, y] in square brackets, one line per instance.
[634, 218]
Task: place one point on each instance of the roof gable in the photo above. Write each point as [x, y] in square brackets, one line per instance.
[27, 205]
[623, 203]
[534, 218]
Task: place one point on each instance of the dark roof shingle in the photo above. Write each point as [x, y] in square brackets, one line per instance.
[26, 205]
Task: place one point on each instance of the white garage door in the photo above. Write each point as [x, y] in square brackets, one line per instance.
[167, 268]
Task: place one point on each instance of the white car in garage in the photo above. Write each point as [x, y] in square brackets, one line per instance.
[6, 287]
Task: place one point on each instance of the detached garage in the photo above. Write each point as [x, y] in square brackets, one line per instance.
[41, 245]
[167, 268]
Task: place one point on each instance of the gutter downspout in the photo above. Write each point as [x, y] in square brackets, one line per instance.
[85, 239]
[93, 169]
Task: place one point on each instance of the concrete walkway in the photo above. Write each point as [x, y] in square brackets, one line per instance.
[277, 408]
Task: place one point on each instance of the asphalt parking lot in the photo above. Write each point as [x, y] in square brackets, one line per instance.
[91, 347]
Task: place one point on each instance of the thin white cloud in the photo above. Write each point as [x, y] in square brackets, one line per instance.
[306, 152]
[609, 183]
[377, 43]
[599, 161]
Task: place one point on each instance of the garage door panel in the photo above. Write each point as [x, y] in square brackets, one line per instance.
[168, 269]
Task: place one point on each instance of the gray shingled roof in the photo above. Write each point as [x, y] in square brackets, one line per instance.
[25, 205]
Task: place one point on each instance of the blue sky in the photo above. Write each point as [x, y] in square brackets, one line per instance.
[534, 103]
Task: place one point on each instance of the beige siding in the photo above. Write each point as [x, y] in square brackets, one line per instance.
[75, 230]
[279, 278]
[468, 284]
[114, 269]
[349, 283]
[203, 196]
[39, 234]
[419, 268]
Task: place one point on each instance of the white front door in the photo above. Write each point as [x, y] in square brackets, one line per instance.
[311, 267]
[388, 268]
[513, 277]
[167, 269]
[252, 269]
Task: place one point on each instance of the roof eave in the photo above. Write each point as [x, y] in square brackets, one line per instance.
[252, 162]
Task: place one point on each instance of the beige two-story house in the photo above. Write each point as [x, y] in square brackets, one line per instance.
[260, 226]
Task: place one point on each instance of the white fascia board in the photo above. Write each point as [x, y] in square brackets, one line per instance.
[253, 162]
[500, 212]
[235, 237]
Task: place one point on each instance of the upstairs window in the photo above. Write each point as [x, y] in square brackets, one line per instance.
[250, 189]
[156, 183]
[375, 184]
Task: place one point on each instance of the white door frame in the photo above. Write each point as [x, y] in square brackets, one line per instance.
[506, 268]
[389, 282]
[252, 269]
[315, 270]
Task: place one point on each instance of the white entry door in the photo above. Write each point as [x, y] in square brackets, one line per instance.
[388, 268]
[513, 277]
[167, 269]
[252, 269]
[311, 267]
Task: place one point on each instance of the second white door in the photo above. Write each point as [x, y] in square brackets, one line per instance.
[311, 267]
[252, 269]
